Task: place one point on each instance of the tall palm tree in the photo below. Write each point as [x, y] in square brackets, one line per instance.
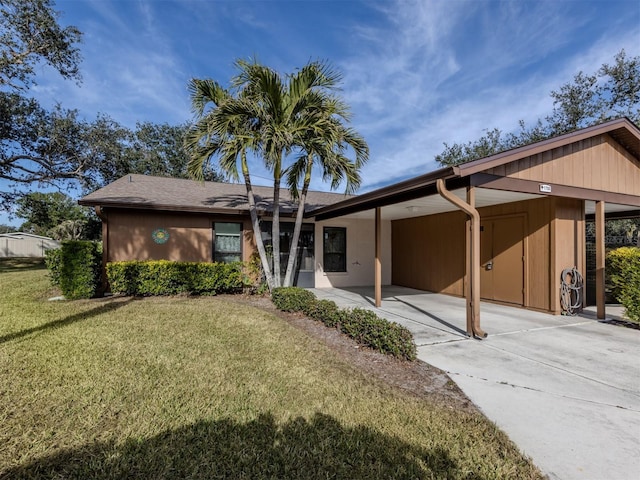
[324, 147]
[275, 117]
[225, 131]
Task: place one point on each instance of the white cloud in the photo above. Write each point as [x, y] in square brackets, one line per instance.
[446, 71]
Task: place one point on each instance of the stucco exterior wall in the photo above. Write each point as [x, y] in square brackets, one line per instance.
[360, 254]
[190, 236]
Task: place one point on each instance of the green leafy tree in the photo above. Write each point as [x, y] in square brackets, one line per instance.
[159, 149]
[278, 118]
[613, 91]
[7, 228]
[55, 214]
[35, 145]
[31, 35]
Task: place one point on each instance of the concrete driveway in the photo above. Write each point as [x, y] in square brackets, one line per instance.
[565, 389]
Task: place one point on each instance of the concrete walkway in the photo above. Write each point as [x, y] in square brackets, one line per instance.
[565, 389]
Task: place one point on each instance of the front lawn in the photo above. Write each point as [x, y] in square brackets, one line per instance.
[205, 388]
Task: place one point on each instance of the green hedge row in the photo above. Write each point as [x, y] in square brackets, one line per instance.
[623, 265]
[164, 277]
[362, 325]
[75, 268]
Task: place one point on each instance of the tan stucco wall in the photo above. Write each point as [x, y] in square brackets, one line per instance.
[190, 236]
[360, 253]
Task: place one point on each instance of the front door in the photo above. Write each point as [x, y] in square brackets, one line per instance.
[502, 259]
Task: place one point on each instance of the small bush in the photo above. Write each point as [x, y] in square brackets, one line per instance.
[624, 268]
[378, 333]
[364, 326]
[53, 261]
[164, 277]
[325, 311]
[77, 271]
[292, 299]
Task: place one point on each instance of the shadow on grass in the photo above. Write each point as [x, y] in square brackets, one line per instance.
[298, 449]
[78, 317]
[21, 264]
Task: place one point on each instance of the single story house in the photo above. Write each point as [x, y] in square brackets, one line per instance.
[20, 244]
[502, 228]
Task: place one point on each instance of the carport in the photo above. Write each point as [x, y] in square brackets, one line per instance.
[502, 228]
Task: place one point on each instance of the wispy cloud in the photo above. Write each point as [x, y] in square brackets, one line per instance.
[439, 72]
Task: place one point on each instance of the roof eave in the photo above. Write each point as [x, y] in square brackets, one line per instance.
[383, 196]
[502, 158]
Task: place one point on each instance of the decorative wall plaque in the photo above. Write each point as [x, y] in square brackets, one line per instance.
[160, 236]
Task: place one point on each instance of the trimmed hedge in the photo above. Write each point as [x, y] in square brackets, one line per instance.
[164, 277]
[364, 326]
[624, 269]
[291, 299]
[75, 268]
[53, 261]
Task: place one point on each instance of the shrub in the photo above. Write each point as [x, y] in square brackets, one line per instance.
[325, 311]
[364, 326]
[53, 261]
[378, 333]
[77, 270]
[164, 277]
[624, 269]
[292, 299]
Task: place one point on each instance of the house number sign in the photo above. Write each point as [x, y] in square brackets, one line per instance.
[160, 236]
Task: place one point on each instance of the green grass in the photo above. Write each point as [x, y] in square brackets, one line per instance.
[202, 388]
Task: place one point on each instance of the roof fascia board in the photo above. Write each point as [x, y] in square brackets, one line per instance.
[174, 208]
[545, 145]
[398, 192]
[163, 208]
[485, 180]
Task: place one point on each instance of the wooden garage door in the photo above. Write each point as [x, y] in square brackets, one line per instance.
[502, 259]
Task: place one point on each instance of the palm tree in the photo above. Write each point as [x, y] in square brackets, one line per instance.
[324, 147]
[275, 117]
[228, 134]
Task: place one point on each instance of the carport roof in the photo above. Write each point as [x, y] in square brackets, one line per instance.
[406, 194]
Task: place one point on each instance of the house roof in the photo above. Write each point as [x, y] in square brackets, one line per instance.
[622, 130]
[174, 194]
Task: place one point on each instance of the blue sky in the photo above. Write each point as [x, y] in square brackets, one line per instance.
[416, 74]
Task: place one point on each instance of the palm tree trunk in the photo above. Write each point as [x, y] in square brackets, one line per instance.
[275, 229]
[257, 234]
[293, 251]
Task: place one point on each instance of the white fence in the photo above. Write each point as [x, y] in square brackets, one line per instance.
[25, 245]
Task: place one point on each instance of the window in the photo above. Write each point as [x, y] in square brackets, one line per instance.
[227, 246]
[335, 249]
[304, 260]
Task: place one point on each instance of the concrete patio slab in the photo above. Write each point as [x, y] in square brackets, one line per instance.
[565, 389]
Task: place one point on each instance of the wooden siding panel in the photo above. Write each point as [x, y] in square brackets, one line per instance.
[569, 250]
[598, 163]
[537, 252]
[428, 253]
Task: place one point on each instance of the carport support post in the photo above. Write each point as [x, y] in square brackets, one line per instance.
[473, 249]
[378, 262]
[600, 260]
[471, 200]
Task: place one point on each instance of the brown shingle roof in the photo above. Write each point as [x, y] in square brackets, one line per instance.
[164, 193]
